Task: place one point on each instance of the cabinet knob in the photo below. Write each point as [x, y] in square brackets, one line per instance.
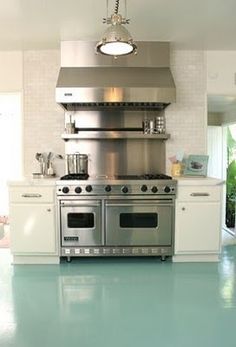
[183, 208]
[48, 209]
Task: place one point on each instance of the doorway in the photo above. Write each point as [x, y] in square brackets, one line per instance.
[221, 133]
[10, 154]
[230, 164]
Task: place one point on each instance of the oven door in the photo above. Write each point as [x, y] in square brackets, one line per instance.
[81, 223]
[139, 223]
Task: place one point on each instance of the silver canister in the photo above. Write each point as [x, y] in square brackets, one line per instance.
[148, 126]
[83, 164]
[70, 128]
[76, 163]
[151, 126]
[160, 124]
[70, 166]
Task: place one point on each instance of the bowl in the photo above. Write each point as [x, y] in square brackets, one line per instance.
[195, 165]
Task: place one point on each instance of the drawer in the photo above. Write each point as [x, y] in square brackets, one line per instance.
[32, 194]
[199, 193]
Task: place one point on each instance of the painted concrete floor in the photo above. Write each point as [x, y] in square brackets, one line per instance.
[118, 302]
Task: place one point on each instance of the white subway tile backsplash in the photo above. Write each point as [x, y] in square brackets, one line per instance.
[186, 119]
[43, 118]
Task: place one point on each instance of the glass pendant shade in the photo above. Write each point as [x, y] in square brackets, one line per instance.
[116, 40]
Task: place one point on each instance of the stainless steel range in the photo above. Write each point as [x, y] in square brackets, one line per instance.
[116, 216]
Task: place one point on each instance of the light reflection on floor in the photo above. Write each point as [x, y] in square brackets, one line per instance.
[118, 302]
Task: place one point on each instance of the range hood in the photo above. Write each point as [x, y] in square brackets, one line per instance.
[90, 81]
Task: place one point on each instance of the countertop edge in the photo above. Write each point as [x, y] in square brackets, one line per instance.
[198, 181]
[181, 181]
[33, 182]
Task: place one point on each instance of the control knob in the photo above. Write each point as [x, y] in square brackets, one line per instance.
[88, 188]
[108, 188]
[124, 189]
[78, 190]
[65, 190]
[167, 189]
[154, 189]
[144, 188]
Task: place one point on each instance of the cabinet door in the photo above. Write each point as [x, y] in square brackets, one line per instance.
[32, 228]
[197, 227]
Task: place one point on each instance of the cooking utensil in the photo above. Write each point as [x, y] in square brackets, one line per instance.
[76, 163]
[70, 127]
[41, 159]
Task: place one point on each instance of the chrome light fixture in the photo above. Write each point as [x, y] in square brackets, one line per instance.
[116, 40]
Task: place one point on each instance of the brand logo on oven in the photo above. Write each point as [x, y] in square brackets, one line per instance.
[71, 238]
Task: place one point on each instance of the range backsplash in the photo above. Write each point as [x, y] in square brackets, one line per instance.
[117, 156]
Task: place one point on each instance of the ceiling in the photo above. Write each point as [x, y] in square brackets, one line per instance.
[192, 24]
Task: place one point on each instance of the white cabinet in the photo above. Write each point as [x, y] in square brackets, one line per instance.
[196, 227]
[198, 223]
[33, 227]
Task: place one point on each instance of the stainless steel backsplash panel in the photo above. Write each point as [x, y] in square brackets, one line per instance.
[111, 118]
[121, 156]
[117, 156]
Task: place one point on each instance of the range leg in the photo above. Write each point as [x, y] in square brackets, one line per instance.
[68, 259]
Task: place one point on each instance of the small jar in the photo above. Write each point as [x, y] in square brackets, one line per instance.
[160, 126]
[146, 126]
[177, 169]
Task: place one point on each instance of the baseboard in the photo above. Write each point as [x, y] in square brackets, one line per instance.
[35, 260]
[194, 258]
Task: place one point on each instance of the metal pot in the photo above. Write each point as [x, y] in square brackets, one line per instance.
[77, 163]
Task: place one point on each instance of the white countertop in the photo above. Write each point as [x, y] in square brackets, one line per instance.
[198, 181]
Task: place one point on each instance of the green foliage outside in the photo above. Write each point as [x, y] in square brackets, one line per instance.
[231, 180]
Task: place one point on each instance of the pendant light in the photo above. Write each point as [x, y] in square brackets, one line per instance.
[116, 40]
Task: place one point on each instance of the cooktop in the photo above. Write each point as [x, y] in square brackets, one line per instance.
[118, 177]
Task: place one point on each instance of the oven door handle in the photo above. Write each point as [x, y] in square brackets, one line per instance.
[79, 203]
[140, 204]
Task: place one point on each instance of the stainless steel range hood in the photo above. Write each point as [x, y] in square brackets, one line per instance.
[91, 81]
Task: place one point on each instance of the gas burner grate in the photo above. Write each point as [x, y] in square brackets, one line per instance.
[81, 176]
[155, 177]
[144, 177]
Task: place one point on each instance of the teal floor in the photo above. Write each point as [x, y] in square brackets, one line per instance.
[118, 302]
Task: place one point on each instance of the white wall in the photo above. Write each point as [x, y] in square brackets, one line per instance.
[214, 149]
[187, 118]
[221, 72]
[34, 75]
[11, 71]
[43, 118]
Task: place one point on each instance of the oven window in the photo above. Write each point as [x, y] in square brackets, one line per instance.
[80, 220]
[138, 220]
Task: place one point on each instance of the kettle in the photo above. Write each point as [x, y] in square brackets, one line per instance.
[77, 163]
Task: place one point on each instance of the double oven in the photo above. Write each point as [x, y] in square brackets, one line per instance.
[116, 219]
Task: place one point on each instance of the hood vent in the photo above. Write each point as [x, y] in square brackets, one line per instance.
[135, 83]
